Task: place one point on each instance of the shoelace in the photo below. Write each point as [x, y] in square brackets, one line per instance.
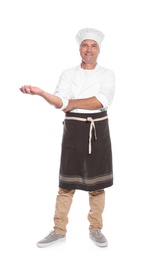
[98, 233]
[50, 234]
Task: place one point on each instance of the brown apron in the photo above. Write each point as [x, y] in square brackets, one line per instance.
[86, 156]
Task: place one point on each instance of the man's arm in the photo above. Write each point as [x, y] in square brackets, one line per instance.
[85, 103]
[51, 99]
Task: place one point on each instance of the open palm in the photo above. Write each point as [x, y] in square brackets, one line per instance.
[28, 89]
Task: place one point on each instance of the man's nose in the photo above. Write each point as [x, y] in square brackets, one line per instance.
[89, 48]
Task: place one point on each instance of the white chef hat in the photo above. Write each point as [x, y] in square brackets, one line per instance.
[89, 34]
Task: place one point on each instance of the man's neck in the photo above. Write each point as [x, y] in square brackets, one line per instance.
[88, 66]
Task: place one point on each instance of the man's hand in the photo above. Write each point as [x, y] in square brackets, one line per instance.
[28, 89]
[69, 106]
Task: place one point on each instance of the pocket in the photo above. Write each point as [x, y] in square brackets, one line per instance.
[68, 134]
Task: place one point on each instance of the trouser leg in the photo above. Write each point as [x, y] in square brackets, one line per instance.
[97, 204]
[62, 207]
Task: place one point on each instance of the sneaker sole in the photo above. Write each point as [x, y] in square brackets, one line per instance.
[42, 245]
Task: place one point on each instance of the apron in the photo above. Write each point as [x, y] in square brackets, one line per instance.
[86, 156]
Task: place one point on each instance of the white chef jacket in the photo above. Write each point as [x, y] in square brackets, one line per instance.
[77, 83]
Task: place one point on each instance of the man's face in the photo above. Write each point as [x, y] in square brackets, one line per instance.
[89, 51]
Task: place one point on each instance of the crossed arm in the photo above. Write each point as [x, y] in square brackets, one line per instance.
[86, 103]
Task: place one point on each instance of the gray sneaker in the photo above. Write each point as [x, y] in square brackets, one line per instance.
[98, 238]
[50, 239]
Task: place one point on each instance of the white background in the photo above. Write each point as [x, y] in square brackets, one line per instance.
[37, 42]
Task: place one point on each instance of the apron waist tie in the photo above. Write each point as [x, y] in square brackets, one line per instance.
[92, 126]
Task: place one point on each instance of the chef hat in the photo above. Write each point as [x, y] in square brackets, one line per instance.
[89, 34]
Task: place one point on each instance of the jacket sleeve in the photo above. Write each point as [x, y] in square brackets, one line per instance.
[62, 90]
[106, 94]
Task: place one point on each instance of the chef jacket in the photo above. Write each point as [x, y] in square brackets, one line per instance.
[77, 83]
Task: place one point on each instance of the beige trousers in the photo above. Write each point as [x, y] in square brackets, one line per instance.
[63, 204]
